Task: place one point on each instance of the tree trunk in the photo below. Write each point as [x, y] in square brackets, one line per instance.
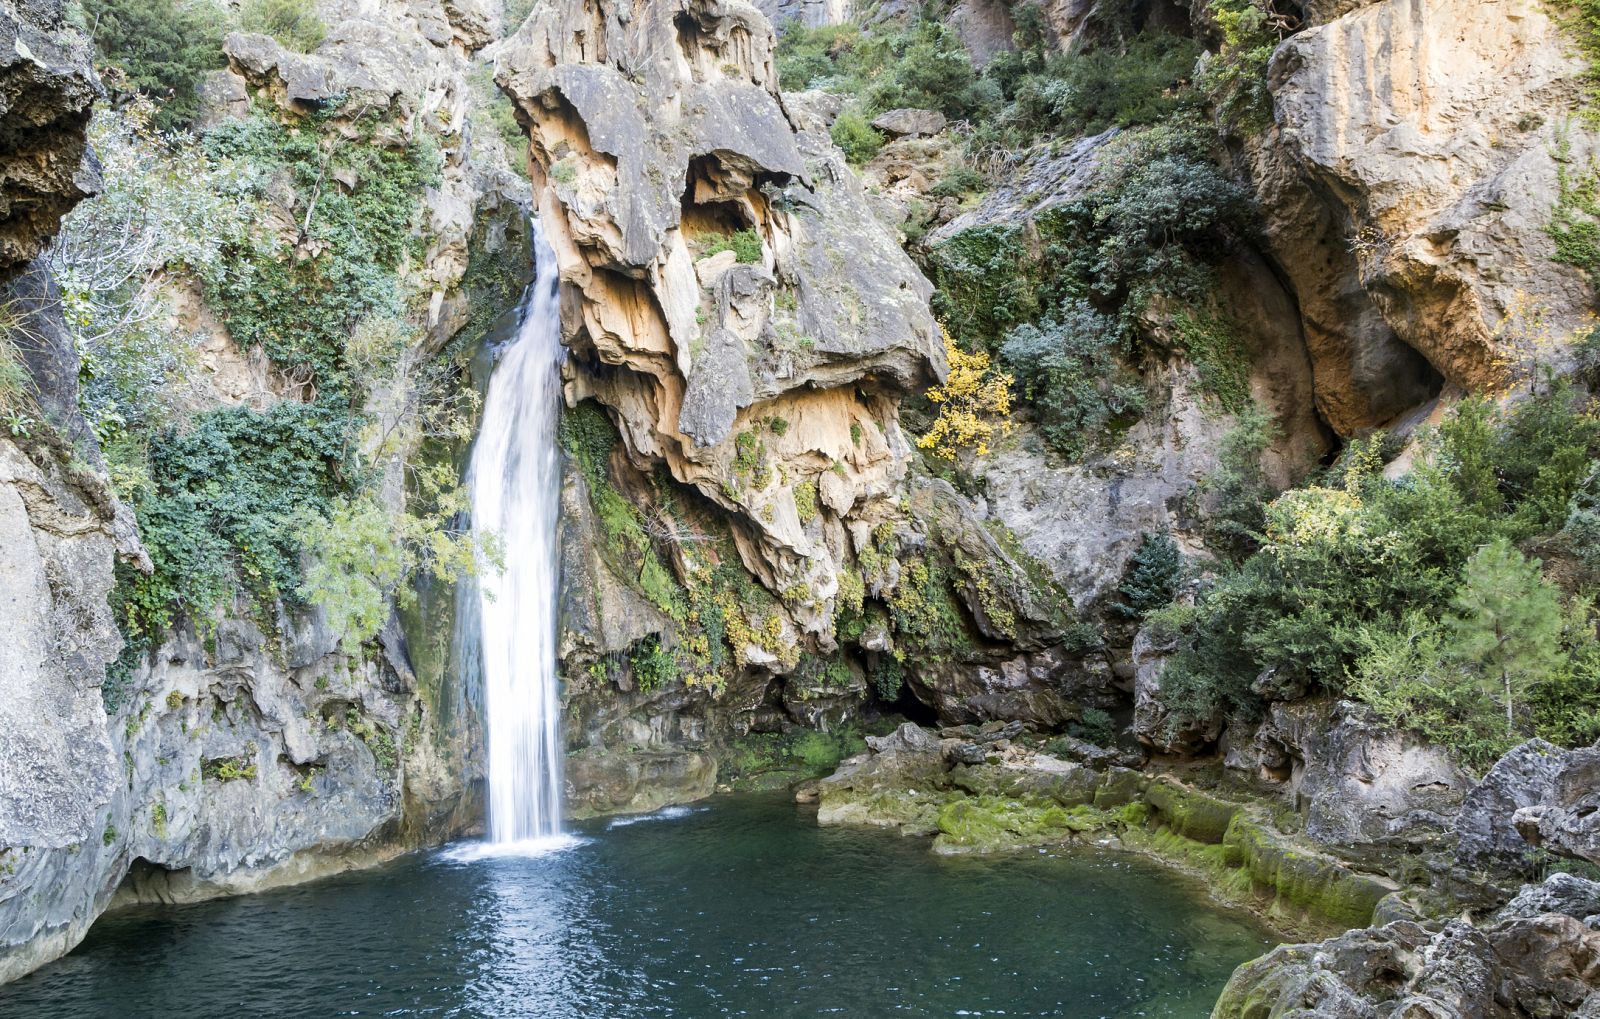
[1505, 677]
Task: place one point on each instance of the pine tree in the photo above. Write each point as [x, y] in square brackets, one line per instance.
[1507, 627]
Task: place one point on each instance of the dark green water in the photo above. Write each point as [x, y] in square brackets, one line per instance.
[740, 908]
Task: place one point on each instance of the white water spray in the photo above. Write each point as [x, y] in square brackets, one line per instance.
[515, 482]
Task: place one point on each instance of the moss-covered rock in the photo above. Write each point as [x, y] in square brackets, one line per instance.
[1300, 881]
[982, 824]
[1189, 812]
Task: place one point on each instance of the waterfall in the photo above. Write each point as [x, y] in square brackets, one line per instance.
[515, 483]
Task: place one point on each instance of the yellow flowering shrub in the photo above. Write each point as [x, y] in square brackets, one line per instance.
[974, 405]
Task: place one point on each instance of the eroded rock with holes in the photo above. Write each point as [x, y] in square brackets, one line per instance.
[1363, 786]
[665, 147]
[1567, 823]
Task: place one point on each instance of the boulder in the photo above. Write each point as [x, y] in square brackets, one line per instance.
[636, 782]
[911, 123]
[1547, 965]
[1488, 839]
[1567, 823]
[1363, 786]
[1559, 893]
[1154, 723]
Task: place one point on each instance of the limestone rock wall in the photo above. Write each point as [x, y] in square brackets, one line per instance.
[249, 749]
[1407, 186]
[47, 87]
[659, 136]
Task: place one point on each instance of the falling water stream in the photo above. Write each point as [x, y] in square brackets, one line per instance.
[515, 482]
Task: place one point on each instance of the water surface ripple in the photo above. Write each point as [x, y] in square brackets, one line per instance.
[742, 907]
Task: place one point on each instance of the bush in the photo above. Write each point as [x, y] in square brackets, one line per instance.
[1237, 490]
[1096, 726]
[1087, 92]
[654, 667]
[301, 308]
[988, 281]
[745, 245]
[974, 405]
[1352, 573]
[221, 511]
[164, 47]
[855, 137]
[1159, 213]
[1072, 374]
[1235, 79]
[294, 23]
[1152, 576]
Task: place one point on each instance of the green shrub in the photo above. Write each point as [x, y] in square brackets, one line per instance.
[1504, 663]
[1152, 576]
[164, 47]
[294, 23]
[1160, 212]
[301, 309]
[988, 282]
[957, 182]
[1088, 91]
[745, 244]
[1072, 374]
[220, 513]
[1367, 577]
[1096, 726]
[856, 137]
[654, 667]
[1235, 79]
[1237, 489]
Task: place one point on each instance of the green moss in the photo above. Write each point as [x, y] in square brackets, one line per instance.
[1211, 342]
[1301, 881]
[1189, 812]
[377, 739]
[771, 760]
[1575, 220]
[1581, 18]
[988, 823]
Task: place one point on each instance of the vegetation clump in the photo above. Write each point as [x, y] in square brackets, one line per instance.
[974, 405]
[1414, 594]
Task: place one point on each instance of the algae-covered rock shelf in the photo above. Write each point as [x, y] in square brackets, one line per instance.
[1157, 429]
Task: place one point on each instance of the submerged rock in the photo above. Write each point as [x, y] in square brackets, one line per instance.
[636, 782]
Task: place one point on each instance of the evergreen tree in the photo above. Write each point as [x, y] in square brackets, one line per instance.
[1152, 577]
[1507, 626]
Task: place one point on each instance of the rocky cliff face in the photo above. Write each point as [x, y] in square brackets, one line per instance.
[661, 138]
[47, 87]
[1417, 155]
[246, 749]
